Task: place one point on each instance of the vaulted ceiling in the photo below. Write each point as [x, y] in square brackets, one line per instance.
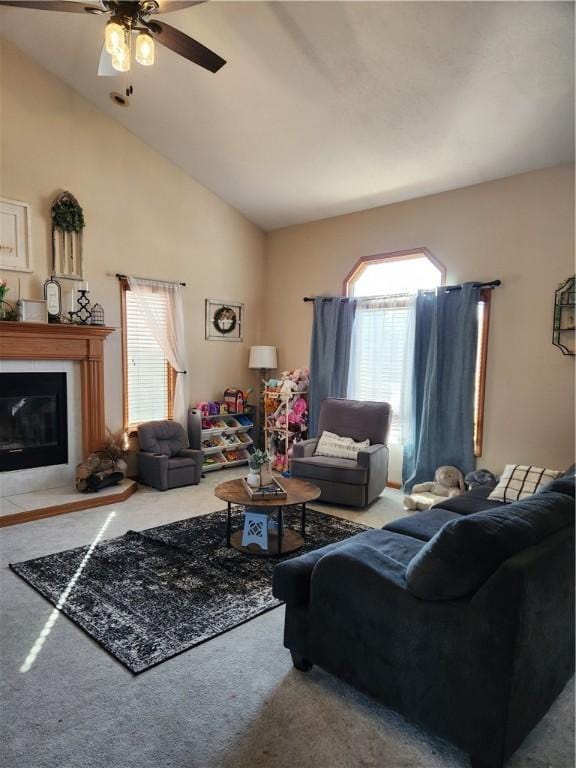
[331, 107]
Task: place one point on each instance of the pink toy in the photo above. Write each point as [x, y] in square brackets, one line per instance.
[298, 411]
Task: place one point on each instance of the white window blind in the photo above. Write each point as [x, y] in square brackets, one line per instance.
[146, 366]
[378, 362]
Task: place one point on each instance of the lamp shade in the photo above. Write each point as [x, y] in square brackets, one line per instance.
[263, 357]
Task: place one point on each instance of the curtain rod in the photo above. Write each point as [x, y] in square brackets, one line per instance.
[491, 284]
[150, 279]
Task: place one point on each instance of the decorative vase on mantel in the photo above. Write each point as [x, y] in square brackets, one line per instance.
[6, 311]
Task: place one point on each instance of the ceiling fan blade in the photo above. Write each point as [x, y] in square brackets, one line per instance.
[66, 6]
[186, 46]
[105, 68]
[165, 6]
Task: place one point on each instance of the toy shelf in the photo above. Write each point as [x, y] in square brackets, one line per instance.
[278, 439]
[216, 449]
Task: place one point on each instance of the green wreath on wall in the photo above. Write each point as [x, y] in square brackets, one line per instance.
[67, 214]
[225, 320]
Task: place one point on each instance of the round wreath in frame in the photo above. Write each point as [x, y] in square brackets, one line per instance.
[225, 320]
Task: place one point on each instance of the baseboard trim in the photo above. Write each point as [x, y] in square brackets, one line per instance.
[87, 502]
[392, 484]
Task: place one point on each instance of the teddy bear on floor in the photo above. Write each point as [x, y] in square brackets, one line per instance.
[448, 482]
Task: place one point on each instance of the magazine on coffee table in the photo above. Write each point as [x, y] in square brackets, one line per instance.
[272, 490]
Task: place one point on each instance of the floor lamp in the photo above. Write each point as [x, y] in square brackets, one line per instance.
[262, 359]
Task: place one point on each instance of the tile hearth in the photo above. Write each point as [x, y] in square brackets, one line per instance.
[38, 504]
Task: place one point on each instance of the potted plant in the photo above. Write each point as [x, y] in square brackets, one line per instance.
[115, 449]
[260, 469]
[6, 309]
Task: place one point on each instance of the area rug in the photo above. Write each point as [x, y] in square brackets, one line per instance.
[147, 596]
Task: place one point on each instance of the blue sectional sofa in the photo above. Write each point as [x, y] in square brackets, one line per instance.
[460, 617]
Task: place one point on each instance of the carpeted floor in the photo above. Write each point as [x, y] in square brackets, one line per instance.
[147, 596]
[233, 702]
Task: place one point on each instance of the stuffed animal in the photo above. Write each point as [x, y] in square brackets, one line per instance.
[448, 482]
[481, 477]
[288, 386]
[297, 411]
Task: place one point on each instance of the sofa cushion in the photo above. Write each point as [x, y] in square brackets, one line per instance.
[335, 470]
[465, 552]
[180, 462]
[565, 484]
[291, 580]
[422, 525]
[474, 500]
[162, 437]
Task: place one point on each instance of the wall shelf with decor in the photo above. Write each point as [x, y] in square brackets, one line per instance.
[225, 439]
[563, 334]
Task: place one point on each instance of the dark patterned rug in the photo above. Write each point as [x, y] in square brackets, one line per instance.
[149, 595]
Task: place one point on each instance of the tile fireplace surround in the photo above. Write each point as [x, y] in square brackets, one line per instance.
[45, 476]
[79, 344]
[85, 343]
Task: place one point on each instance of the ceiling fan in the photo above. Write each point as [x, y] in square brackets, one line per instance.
[129, 18]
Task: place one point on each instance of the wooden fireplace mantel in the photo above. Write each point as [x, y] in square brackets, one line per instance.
[51, 341]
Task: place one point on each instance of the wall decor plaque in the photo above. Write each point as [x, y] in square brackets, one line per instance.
[15, 236]
[224, 320]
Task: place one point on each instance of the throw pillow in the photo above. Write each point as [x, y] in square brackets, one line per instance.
[519, 481]
[337, 447]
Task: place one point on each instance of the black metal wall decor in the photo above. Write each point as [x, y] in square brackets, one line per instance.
[565, 317]
[83, 314]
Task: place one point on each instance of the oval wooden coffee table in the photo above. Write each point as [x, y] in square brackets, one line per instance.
[284, 540]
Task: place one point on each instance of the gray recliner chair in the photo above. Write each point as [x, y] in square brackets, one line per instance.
[343, 481]
[165, 461]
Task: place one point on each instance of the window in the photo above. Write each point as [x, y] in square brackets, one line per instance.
[481, 357]
[378, 356]
[148, 377]
[378, 366]
[405, 274]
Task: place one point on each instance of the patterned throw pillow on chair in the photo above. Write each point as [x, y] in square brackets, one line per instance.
[519, 481]
[337, 447]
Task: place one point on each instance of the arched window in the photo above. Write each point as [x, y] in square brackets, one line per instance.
[379, 367]
[402, 272]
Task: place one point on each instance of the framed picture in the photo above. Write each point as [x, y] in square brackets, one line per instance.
[224, 320]
[15, 236]
[32, 311]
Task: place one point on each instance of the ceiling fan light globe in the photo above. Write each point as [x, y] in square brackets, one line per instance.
[114, 38]
[121, 60]
[145, 49]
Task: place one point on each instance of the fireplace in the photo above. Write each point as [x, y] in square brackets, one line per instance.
[33, 420]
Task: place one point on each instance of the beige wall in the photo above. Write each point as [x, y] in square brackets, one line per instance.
[144, 217]
[518, 229]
